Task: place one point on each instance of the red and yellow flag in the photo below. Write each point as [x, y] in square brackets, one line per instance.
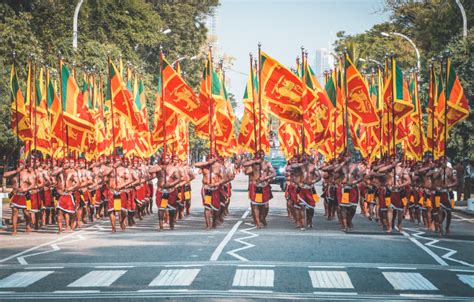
[20, 121]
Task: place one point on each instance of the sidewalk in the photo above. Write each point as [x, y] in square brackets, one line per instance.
[461, 207]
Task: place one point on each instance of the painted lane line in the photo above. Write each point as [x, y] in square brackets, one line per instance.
[325, 266]
[42, 245]
[175, 277]
[23, 279]
[215, 255]
[22, 260]
[470, 220]
[255, 265]
[246, 244]
[250, 291]
[450, 252]
[330, 279]
[162, 290]
[112, 266]
[254, 278]
[425, 296]
[468, 279]
[408, 281]
[395, 267]
[44, 267]
[461, 270]
[427, 250]
[185, 265]
[6, 293]
[336, 293]
[98, 279]
[90, 291]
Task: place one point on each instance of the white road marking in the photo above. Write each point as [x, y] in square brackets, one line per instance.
[175, 277]
[112, 266]
[432, 242]
[470, 220]
[325, 266]
[427, 250]
[45, 267]
[468, 279]
[255, 265]
[408, 281]
[246, 244]
[23, 279]
[256, 291]
[161, 290]
[395, 267]
[461, 270]
[185, 265]
[254, 277]
[330, 279]
[227, 238]
[88, 291]
[335, 293]
[98, 278]
[421, 296]
[22, 260]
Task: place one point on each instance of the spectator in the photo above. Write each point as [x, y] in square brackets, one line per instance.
[459, 168]
[468, 176]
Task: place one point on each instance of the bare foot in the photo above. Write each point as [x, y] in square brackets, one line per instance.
[447, 231]
[14, 233]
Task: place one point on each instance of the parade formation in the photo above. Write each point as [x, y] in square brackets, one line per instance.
[90, 153]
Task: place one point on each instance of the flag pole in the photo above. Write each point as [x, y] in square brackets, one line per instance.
[14, 99]
[346, 115]
[420, 121]
[379, 88]
[445, 112]
[163, 111]
[432, 91]
[114, 152]
[253, 105]
[303, 72]
[393, 116]
[211, 111]
[260, 95]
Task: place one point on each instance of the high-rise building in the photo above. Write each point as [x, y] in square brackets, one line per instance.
[323, 61]
[212, 24]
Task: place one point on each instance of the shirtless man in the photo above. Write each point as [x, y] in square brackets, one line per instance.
[211, 180]
[260, 172]
[443, 181]
[307, 195]
[291, 194]
[426, 204]
[67, 183]
[166, 195]
[81, 194]
[47, 209]
[331, 177]
[118, 201]
[184, 188]
[22, 184]
[230, 172]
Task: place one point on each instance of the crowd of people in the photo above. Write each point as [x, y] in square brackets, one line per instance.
[71, 191]
[386, 191]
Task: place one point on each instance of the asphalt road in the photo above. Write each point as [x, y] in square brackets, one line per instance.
[236, 261]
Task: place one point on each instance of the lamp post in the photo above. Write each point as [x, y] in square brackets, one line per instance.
[371, 60]
[74, 24]
[418, 64]
[182, 58]
[464, 19]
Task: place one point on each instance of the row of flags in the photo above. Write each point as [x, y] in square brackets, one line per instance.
[377, 111]
[92, 116]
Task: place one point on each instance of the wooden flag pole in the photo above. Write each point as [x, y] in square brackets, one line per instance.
[253, 106]
[346, 113]
[445, 113]
[303, 72]
[393, 117]
[163, 110]
[260, 95]
[432, 92]
[113, 118]
[14, 99]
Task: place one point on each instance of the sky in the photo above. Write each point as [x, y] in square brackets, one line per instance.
[283, 26]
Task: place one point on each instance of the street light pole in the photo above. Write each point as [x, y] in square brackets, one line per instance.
[182, 58]
[464, 19]
[74, 24]
[371, 60]
[418, 64]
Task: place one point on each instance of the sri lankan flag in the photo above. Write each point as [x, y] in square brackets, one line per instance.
[42, 124]
[180, 97]
[121, 99]
[20, 122]
[396, 93]
[458, 107]
[75, 113]
[358, 99]
[289, 135]
[281, 89]
[57, 126]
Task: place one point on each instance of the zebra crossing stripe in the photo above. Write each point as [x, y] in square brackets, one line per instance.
[330, 279]
[408, 281]
[23, 279]
[175, 277]
[254, 277]
[98, 278]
